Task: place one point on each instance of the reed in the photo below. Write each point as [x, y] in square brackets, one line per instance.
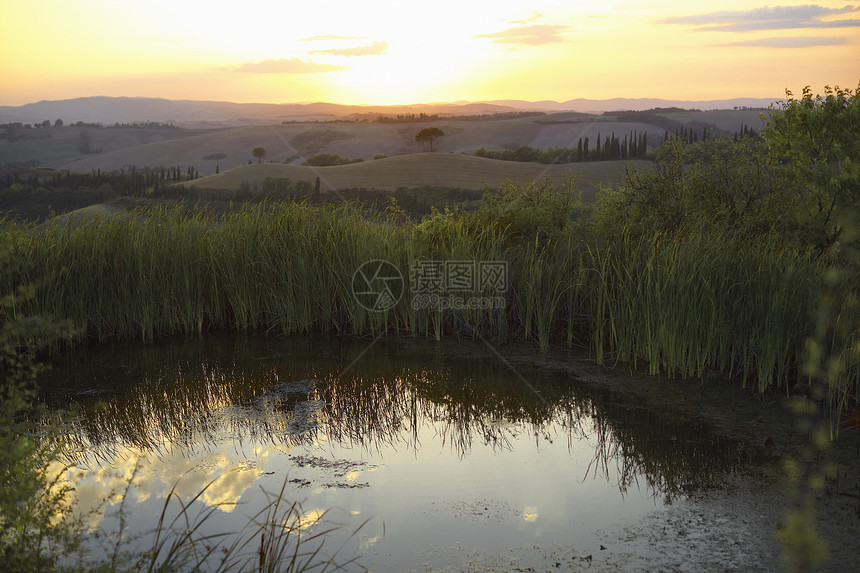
[684, 306]
[689, 306]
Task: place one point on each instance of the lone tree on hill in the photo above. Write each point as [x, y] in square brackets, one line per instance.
[428, 134]
[259, 153]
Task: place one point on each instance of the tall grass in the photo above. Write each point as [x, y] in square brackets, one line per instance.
[683, 306]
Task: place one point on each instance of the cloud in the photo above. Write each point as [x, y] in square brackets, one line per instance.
[319, 38]
[533, 35]
[533, 18]
[767, 18]
[377, 49]
[789, 42]
[287, 66]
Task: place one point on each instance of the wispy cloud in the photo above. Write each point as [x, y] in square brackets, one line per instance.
[790, 42]
[532, 35]
[376, 49]
[533, 18]
[325, 38]
[767, 18]
[287, 66]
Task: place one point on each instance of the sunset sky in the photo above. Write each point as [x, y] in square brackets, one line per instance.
[400, 52]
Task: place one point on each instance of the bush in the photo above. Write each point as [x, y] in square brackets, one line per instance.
[714, 186]
[329, 159]
[540, 209]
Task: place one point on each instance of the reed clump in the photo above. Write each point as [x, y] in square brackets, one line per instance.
[682, 305]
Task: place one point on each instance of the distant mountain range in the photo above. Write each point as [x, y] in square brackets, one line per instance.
[633, 104]
[188, 113]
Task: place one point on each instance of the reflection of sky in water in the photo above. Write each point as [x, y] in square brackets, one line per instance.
[432, 457]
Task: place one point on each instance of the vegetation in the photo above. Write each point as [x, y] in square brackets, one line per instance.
[425, 118]
[429, 135]
[633, 146]
[259, 153]
[41, 529]
[684, 305]
[329, 159]
[35, 194]
[741, 257]
[814, 141]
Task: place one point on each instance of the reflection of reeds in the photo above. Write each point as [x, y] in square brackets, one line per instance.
[382, 403]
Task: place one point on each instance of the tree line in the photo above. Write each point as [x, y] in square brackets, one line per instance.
[35, 194]
[632, 146]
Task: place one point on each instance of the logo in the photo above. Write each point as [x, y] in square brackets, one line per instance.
[377, 285]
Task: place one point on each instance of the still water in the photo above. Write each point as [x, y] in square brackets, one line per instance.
[416, 455]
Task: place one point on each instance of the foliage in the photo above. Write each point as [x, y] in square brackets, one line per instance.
[429, 135]
[692, 266]
[259, 153]
[815, 141]
[282, 189]
[713, 186]
[540, 209]
[329, 159]
[36, 525]
[634, 145]
[35, 194]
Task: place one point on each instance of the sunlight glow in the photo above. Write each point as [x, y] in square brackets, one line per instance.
[387, 52]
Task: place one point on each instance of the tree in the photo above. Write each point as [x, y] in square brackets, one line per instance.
[259, 153]
[815, 141]
[428, 135]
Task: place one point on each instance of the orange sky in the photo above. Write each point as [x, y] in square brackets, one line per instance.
[388, 52]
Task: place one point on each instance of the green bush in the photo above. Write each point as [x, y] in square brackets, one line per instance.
[541, 209]
[329, 159]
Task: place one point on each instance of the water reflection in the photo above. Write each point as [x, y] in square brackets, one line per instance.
[403, 422]
[200, 395]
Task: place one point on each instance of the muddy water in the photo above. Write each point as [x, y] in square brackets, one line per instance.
[415, 455]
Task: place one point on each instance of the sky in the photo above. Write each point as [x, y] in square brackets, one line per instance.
[401, 52]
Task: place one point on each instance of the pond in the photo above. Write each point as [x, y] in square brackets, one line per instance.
[406, 454]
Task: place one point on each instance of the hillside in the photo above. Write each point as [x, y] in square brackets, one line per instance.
[420, 170]
[295, 142]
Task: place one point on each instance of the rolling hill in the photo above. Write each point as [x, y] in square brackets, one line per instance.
[295, 142]
[422, 169]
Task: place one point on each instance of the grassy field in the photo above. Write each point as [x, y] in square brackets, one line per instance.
[423, 169]
[292, 143]
[55, 146]
[229, 147]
